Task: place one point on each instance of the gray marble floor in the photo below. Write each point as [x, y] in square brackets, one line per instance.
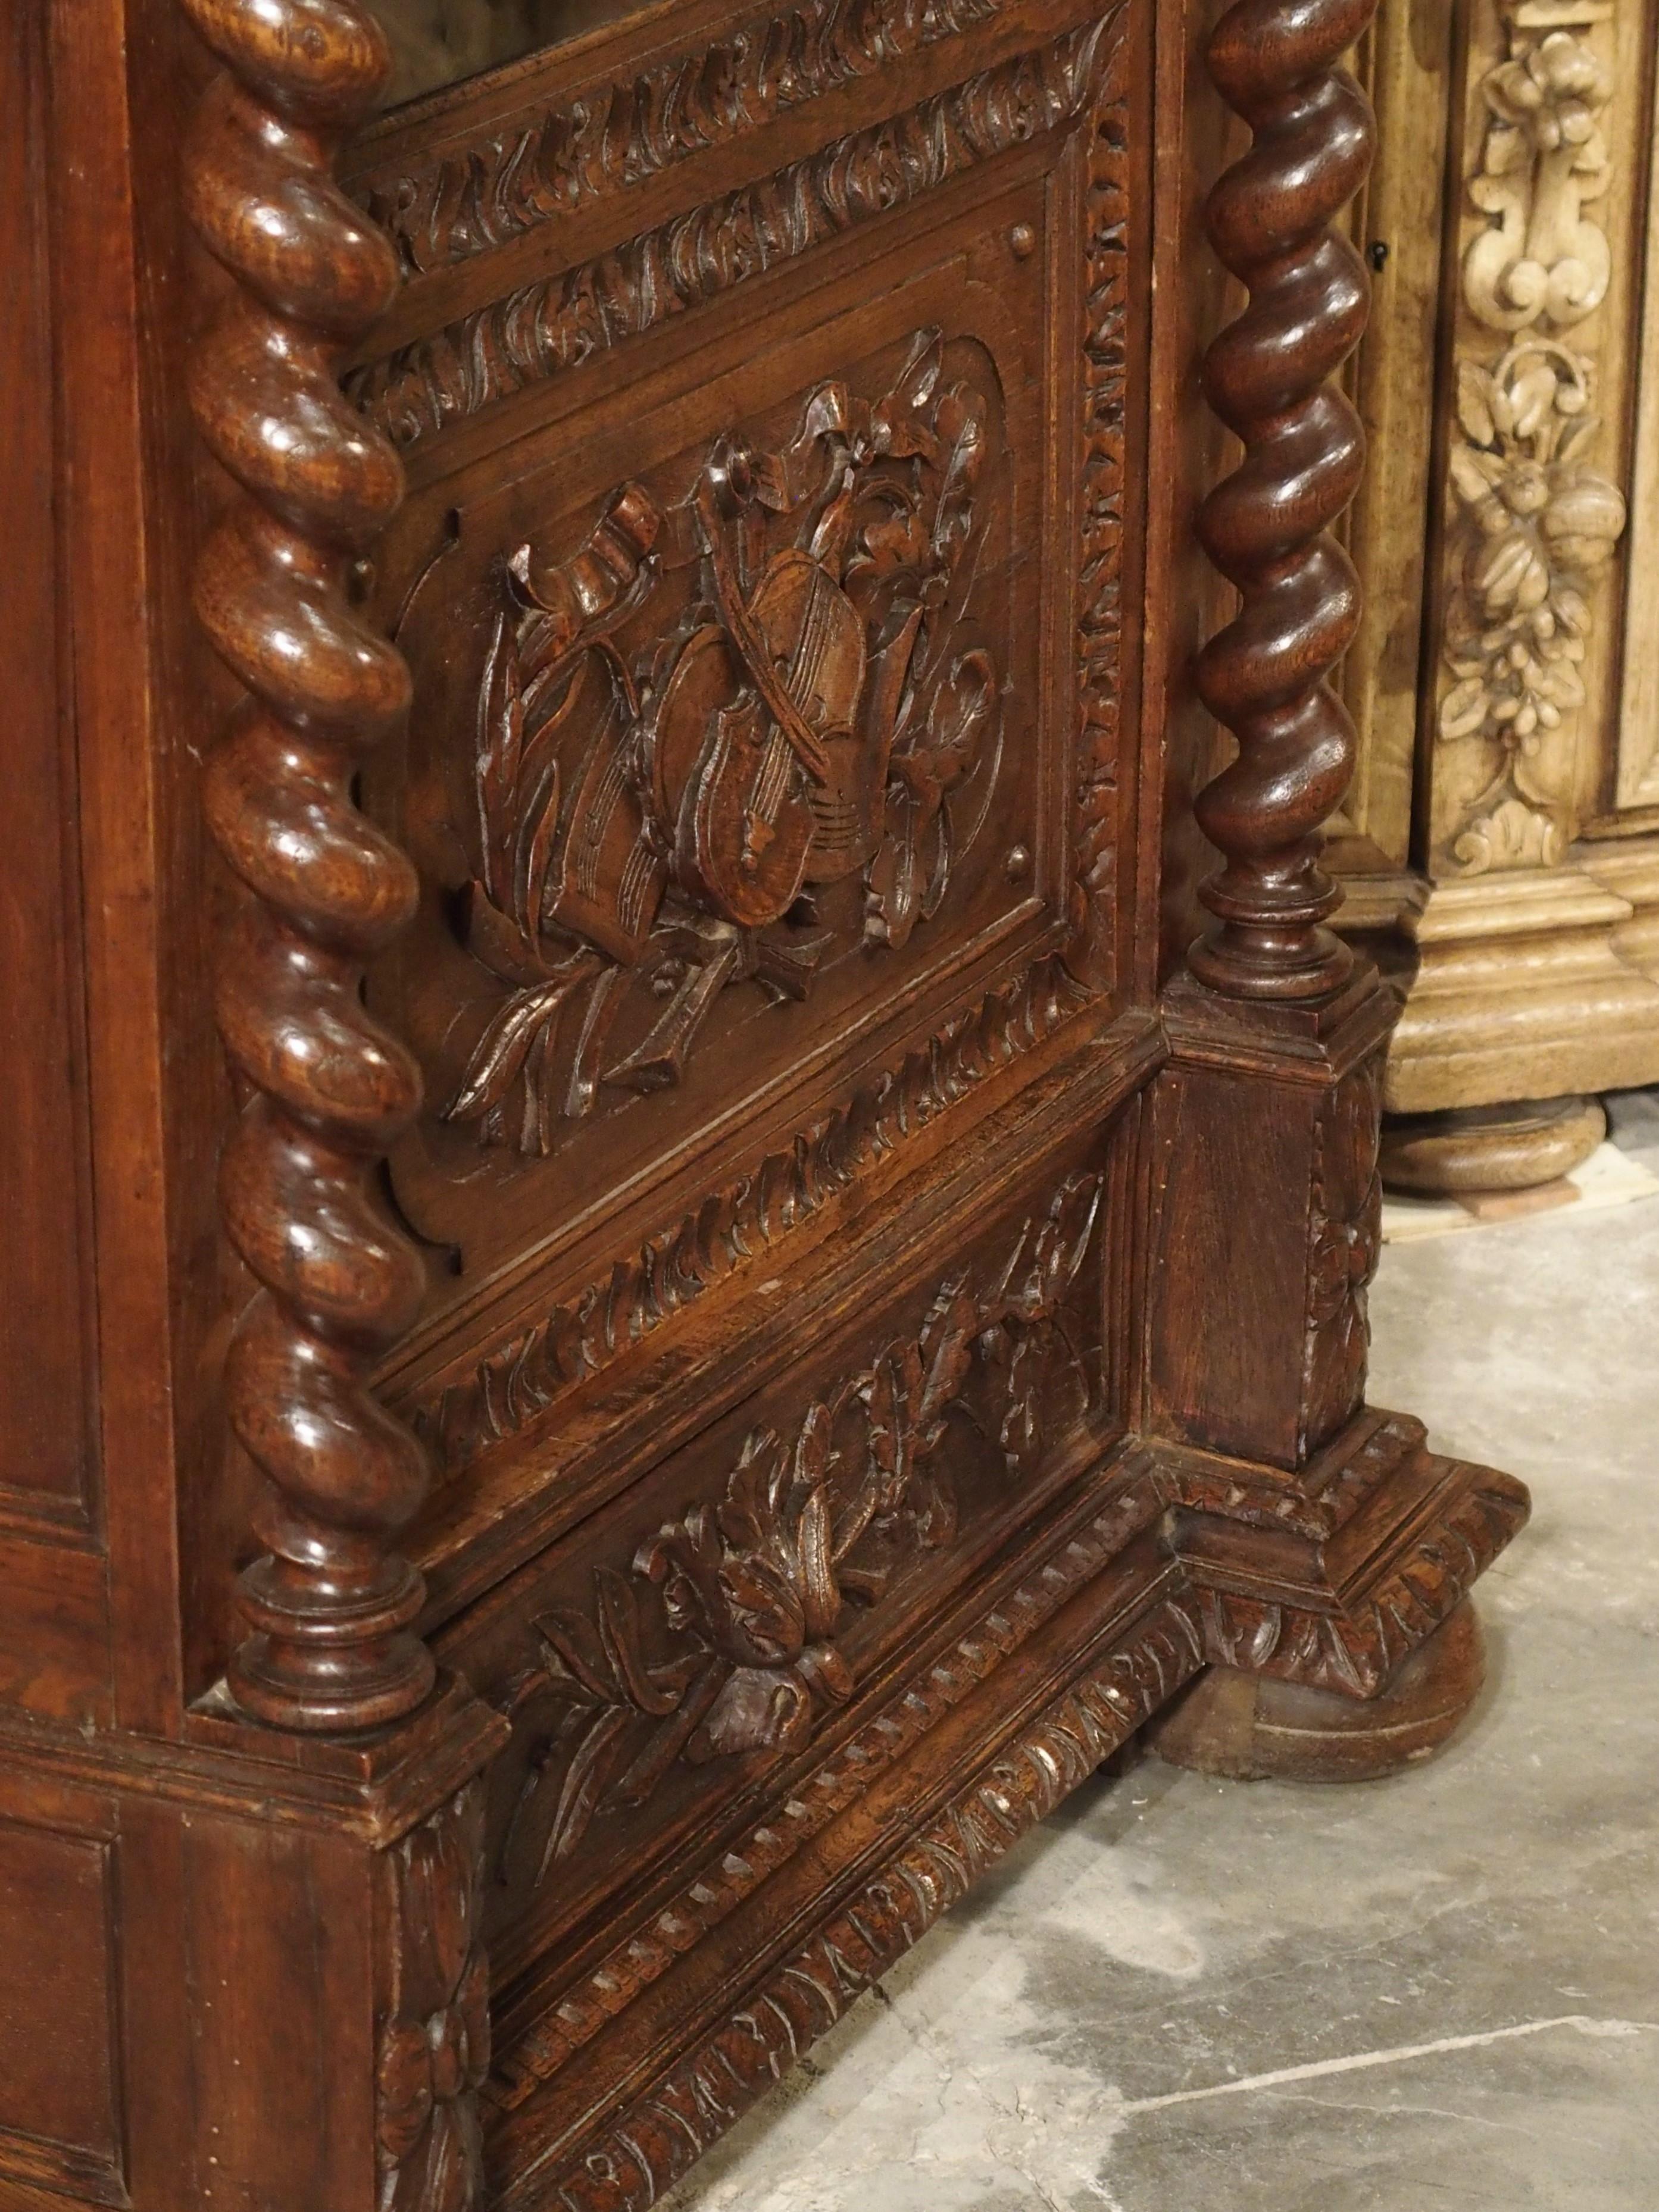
[1441, 1990]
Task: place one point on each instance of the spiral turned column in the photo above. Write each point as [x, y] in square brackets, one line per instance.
[330, 1604]
[1265, 525]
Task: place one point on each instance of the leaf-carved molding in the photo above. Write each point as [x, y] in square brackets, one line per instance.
[557, 323]
[553, 157]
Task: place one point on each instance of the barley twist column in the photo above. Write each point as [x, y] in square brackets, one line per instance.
[1266, 526]
[330, 1606]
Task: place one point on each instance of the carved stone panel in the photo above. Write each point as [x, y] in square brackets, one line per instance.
[1535, 507]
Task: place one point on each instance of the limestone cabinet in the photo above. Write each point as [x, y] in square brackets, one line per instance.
[1501, 843]
[670, 1245]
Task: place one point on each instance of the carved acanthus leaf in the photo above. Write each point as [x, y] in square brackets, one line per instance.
[1356, 1653]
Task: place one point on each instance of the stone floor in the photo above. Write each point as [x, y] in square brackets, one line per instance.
[1442, 1989]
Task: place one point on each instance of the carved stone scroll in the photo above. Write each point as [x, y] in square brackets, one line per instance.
[330, 1603]
[1265, 527]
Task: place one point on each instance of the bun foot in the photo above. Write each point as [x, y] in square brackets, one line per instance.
[1479, 1149]
[1253, 1728]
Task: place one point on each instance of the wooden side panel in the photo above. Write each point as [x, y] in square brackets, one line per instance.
[685, 1647]
[48, 1454]
[59, 2089]
[249, 1964]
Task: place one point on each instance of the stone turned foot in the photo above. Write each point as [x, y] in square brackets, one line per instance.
[1252, 1728]
[1473, 1150]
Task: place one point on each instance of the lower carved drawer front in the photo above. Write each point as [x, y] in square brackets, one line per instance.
[659, 1663]
[614, 2072]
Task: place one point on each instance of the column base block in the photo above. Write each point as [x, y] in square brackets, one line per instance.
[1255, 1728]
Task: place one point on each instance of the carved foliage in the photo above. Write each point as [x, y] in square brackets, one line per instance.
[1536, 524]
[658, 2138]
[641, 1956]
[606, 138]
[659, 806]
[556, 323]
[1345, 1233]
[724, 1635]
[1100, 566]
[1533, 522]
[434, 2050]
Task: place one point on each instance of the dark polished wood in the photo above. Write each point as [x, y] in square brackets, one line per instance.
[718, 1322]
[330, 1603]
[1267, 526]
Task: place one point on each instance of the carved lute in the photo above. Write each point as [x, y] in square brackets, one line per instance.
[739, 736]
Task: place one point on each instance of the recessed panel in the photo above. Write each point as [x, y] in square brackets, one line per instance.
[59, 2121]
[730, 750]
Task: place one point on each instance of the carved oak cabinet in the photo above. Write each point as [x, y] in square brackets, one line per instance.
[648, 1297]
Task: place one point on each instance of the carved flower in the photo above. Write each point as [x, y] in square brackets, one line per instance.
[1552, 94]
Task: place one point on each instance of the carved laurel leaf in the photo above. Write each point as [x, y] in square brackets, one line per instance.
[500, 747]
[500, 1054]
[1061, 1244]
[584, 1784]
[619, 1628]
[946, 1345]
[1475, 395]
[820, 1594]
[576, 1645]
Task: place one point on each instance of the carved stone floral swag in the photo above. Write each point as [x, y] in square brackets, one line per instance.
[1535, 521]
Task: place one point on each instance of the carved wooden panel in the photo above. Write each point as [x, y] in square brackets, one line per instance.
[719, 1618]
[743, 730]
[766, 736]
[433, 2043]
[1345, 1240]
